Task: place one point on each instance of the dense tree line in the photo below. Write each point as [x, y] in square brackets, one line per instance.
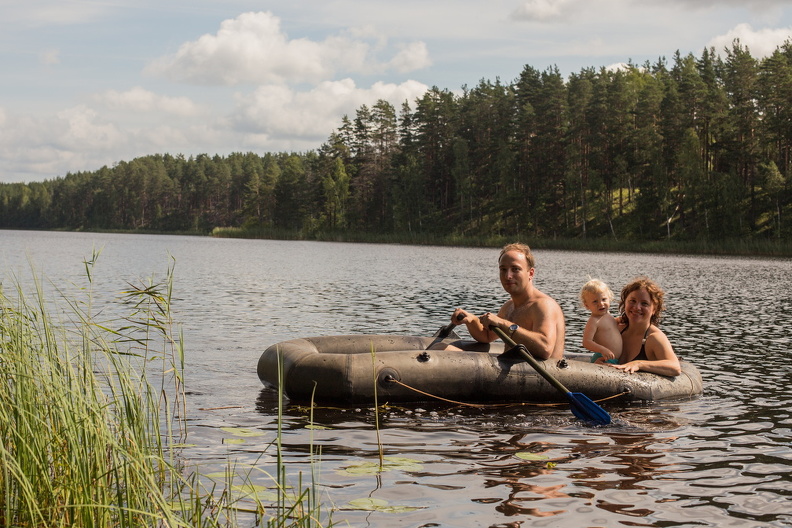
[698, 148]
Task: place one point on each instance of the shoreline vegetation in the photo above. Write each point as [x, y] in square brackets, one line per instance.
[93, 421]
[742, 247]
[736, 247]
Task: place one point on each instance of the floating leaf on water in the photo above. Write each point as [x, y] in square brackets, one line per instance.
[241, 431]
[524, 455]
[233, 440]
[388, 464]
[253, 490]
[179, 506]
[551, 465]
[312, 426]
[218, 475]
[369, 504]
[184, 445]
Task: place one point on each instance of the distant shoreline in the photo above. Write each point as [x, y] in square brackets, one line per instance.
[735, 247]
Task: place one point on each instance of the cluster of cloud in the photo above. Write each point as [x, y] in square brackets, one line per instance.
[272, 93]
[543, 10]
[761, 43]
[253, 48]
[250, 86]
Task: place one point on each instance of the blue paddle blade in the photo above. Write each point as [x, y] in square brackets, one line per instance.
[587, 410]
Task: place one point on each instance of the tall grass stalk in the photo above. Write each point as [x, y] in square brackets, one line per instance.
[299, 506]
[79, 423]
[92, 420]
[376, 407]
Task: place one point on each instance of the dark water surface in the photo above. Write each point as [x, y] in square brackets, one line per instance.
[721, 460]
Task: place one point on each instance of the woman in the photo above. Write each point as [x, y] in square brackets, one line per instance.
[644, 346]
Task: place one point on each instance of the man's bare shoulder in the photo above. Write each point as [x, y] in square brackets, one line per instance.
[545, 303]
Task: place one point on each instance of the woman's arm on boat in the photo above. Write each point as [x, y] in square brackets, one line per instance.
[661, 357]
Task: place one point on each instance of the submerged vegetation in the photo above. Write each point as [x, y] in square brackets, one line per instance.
[92, 422]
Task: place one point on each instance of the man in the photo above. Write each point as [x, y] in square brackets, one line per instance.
[529, 317]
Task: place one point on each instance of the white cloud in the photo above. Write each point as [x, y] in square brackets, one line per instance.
[414, 56]
[252, 48]
[138, 99]
[761, 43]
[39, 13]
[276, 110]
[542, 10]
[80, 128]
[74, 139]
[756, 5]
[49, 57]
[617, 66]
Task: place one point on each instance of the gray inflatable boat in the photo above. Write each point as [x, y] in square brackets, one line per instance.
[345, 369]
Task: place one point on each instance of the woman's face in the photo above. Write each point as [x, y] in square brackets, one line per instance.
[639, 306]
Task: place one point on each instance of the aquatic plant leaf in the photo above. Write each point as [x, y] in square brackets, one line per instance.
[524, 455]
[241, 431]
[254, 490]
[233, 440]
[218, 475]
[316, 427]
[179, 506]
[370, 504]
[388, 464]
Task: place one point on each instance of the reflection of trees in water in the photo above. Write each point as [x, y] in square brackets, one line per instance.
[589, 468]
[519, 477]
[631, 460]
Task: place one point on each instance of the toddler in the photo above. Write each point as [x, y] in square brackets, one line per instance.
[601, 334]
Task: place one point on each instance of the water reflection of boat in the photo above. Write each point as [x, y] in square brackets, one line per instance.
[345, 369]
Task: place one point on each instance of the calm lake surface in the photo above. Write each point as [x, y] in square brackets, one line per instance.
[721, 460]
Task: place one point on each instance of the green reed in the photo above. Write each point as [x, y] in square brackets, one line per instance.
[92, 419]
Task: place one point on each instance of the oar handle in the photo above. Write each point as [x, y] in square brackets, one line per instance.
[447, 329]
[530, 359]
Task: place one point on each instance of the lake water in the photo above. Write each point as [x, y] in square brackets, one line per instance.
[721, 460]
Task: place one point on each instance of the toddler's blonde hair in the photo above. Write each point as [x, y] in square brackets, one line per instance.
[595, 286]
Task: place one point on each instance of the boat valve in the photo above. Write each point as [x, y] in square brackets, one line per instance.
[424, 356]
[387, 376]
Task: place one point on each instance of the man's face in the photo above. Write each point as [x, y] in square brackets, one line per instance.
[515, 275]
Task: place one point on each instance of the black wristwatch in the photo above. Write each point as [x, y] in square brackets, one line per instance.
[513, 328]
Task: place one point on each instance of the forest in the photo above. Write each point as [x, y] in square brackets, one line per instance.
[688, 149]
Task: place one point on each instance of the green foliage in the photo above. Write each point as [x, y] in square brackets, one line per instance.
[92, 423]
[679, 151]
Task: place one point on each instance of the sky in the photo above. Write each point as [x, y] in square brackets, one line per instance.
[89, 83]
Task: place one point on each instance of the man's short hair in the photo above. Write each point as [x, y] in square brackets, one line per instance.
[522, 248]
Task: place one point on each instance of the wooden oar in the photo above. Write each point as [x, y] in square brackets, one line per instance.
[582, 406]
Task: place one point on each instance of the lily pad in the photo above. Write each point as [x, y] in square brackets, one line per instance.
[252, 490]
[233, 440]
[241, 431]
[180, 506]
[388, 464]
[530, 456]
[369, 504]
